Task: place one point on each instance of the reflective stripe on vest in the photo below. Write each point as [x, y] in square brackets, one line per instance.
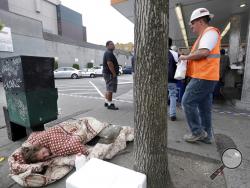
[207, 68]
[213, 56]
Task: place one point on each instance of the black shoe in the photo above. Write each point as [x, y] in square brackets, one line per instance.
[206, 140]
[105, 104]
[173, 118]
[112, 107]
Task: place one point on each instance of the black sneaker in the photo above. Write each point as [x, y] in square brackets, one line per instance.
[105, 104]
[173, 118]
[206, 140]
[112, 107]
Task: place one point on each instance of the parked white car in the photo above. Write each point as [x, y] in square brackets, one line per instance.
[88, 73]
[67, 72]
[98, 70]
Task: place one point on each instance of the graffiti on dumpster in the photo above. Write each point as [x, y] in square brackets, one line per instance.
[11, 68]
[9, 84]
[20, 108]
[12, 71]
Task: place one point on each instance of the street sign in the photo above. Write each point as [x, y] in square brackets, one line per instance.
[6, 44]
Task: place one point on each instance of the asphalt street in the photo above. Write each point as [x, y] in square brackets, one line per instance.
[87, 93]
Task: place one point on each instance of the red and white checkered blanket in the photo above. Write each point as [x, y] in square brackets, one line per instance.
[63, 140]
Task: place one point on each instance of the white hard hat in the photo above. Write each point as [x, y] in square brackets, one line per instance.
[200, 12]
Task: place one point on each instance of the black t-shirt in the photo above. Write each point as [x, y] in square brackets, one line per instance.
[109, 56]
[172, 66]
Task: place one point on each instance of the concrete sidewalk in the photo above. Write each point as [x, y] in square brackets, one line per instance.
[188, 162]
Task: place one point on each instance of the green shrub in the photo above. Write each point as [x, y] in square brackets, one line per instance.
[1, 25]
[90, 65]
[55, 65]
[76, 66]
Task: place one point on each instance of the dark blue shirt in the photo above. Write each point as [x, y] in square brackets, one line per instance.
[171, 68]
[109, 56]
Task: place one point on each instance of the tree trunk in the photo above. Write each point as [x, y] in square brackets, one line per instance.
[150, 91]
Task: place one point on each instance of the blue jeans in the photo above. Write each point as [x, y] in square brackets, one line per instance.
[172, 91]
[197, 105]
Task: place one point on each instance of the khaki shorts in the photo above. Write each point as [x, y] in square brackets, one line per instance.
[111, 83]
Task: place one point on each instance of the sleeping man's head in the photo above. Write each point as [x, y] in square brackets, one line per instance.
[34, 154]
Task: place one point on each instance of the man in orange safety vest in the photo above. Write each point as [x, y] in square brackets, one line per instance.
[203, 69]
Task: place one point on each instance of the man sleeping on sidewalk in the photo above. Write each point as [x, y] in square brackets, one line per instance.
[49, 155]
[54, 142]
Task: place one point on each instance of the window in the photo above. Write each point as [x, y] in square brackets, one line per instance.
[69, 69]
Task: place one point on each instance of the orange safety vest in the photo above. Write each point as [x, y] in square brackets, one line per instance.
[209, 67]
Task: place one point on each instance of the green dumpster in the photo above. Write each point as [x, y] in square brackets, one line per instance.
[30, 90]
[32, 108]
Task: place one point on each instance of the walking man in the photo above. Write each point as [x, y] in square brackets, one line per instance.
[203, 69]
[110, 72]
[172, 89]
[224, 65]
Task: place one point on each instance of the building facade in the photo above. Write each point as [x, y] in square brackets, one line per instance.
[47, 28]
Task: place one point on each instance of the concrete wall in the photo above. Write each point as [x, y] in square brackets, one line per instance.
[28, 39]
[22, 25]
[56, 2]
[65, 53]
[4, 5]
[41, 10]
[245, 98]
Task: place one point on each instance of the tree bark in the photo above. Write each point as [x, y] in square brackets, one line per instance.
[150, 91]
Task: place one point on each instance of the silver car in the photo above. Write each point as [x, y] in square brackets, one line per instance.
[67, 72]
